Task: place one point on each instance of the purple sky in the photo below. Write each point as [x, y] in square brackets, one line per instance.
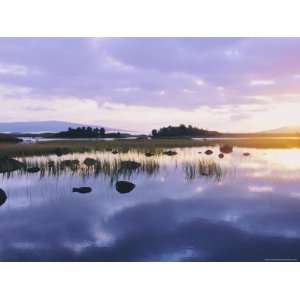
[234, 84]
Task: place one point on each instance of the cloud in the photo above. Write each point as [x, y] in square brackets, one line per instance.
[232, 53]
[186, 74]
[8, 90]
[262, 82]
[239, 116]
[199, 82]
[11, 69]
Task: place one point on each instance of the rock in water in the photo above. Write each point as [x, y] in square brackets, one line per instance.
[170, 153]
[208, 152]
[148, 154]
[82, 190]
[221, 155]
[10, 165]
[226, 149]
[3, 197]
[70, 163]
[33, 170]
[114, 152]
[90, 162]
[124, 187]
[246, 154]
[130, 165]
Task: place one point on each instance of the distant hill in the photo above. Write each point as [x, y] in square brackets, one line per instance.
[285, 130]
[43, 126]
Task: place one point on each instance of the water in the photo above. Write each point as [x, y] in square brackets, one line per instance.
[187, 207]
[34, 140]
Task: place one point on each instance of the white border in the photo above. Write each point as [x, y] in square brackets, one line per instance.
[149, 281]
[111, 18]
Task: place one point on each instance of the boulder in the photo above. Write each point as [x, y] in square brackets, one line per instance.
[170, 153]
[10, 165]
[3, 197]
[221, 155]
[226, 149]
[149, 154]
[33, 170]
[70, 163]
[124, 187]
[130, 165]
[208, 152]
[90, 161]
[82, 190]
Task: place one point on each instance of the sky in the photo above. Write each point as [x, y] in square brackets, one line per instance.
[225, 84]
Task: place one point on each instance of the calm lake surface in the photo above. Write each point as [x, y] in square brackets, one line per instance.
[186, 207]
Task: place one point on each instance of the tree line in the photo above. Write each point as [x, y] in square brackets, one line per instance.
[88, 132]
[183, 131]
[82, 132]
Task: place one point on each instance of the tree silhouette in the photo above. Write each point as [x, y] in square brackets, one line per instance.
[181, 131]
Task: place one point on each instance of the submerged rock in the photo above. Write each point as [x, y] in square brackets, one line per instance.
[130, 165]
[170, 153]
[82, 190]
[3, 197]
[33, 170]
[221, 155]
[246, 154]
[90, 161]
[199, 152]
[124, 187]
[10, 165]
[226, 149]
[208, 152]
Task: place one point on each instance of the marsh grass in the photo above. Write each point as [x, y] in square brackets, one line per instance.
[156, 146]
[110, 168]
[203, 168]
[113, 168]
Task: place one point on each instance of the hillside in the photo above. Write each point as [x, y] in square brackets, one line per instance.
[285, 130]
[7, 138]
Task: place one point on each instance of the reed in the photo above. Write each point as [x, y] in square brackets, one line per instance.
[155, 145]
[203, 168]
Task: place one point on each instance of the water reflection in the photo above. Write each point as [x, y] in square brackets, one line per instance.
[184, 207]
